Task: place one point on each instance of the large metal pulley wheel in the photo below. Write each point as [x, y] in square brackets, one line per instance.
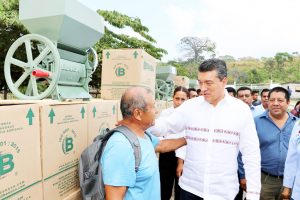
[34, 74]
[161, 89]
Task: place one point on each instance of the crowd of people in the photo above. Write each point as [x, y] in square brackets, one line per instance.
[230, 145]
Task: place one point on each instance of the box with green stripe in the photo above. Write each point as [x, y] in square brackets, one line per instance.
[20, 166]
[64, 137]
[124, 68]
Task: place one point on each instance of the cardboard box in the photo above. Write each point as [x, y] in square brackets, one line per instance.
[74, 196]
[34, 192]
[102, 114]
[182, 81]
[20, 165]
[119, 113]
[64, 137]
[160, 105]
[124, 68]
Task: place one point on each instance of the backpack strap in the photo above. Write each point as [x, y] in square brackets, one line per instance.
[131, 137]
[103, 143]
[134, 141]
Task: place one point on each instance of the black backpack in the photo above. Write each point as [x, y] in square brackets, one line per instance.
[90, 170]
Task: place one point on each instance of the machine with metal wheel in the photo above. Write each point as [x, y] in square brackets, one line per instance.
[164, 85]
[58, 60]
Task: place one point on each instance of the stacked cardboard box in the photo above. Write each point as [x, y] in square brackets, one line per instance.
[124, 68]
[64, 137]
[182, 81]
[74, 196]
[102, 114]
[20, 166]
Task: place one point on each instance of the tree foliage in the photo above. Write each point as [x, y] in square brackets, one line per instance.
[113, 40]
[248, 70]
[10, 30]
[196, 48]
[281, 58]
[119, 20]
[270, 65]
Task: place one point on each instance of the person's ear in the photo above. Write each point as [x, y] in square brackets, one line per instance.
[137, 114]
[224, 81]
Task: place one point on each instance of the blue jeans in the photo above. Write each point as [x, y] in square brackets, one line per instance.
[185, 195]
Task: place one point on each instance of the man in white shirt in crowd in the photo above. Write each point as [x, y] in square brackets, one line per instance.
[255, 100]
[244, 94]
[264, 96]
[217, 127]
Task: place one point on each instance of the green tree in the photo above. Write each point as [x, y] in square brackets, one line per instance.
[236, 75]
[227, 58]
[112, 40]
[281, 58]
[270, 65]
[10, 30]
[254, 76]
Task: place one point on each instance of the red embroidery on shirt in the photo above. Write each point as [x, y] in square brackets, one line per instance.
[196, 139]
[197, 129]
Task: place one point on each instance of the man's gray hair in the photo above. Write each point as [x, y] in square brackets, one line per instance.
[133, 98]
[214, 64]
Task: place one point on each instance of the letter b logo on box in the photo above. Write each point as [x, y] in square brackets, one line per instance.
[6, 163]
[120, 71]
[68, 144]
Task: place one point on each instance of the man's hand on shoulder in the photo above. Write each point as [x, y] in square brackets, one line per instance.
[168, 145]
[243, 184]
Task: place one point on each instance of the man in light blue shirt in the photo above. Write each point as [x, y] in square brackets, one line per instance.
[244, 94]
[292, 166]
[118, 162]
[274, 128]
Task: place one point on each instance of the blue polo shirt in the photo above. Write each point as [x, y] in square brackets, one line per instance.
[292, 166]
[274, 142]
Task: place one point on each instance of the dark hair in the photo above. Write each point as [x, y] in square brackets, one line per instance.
[243, 88]
[231, 89]
[131, 102]
[254, 92]
[280, 89]
[198, 91]
[214, 64]
[181, 89]
[192, 89]
[298, 102]
[264, 90]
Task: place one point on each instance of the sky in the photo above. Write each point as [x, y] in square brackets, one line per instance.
[240, 28]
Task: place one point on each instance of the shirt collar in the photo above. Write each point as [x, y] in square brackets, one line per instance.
[266, 115]
[227, 98]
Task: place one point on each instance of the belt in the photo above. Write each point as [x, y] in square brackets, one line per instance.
[271, 175]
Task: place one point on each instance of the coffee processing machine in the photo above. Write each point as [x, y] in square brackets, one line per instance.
[59, 59]
[164, 85]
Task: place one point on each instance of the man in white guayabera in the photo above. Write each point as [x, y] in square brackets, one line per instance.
[217, 127]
